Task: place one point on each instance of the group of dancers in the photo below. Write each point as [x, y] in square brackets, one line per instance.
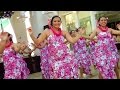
[60, 62]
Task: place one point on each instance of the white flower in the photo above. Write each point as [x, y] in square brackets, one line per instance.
[56, 44]
[103, 57]
[62, 72]
[59, 53]
[103, 33]
[57, 65]
[102, 63]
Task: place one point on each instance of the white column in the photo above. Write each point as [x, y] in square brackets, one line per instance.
[19, 27]
[77, 23]
[93, 19]
[38, 20]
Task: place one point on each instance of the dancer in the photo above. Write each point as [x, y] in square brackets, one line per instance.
[62, 65]
[11, 65]
[44, 58]
[91, 45]
[106, 60]
[24, 70]
[82, 54]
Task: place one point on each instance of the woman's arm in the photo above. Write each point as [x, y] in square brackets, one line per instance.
[91, 37]
[16, 47]
[71, 39]
[116, 32]
[42, 45]
[3, 41]
[41, 38]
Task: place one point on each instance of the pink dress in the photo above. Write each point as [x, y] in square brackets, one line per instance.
[62, 64]
[12, 65]
[91, 51]
[82, 55]
[114, 48]
[44, 62]
[105, 58]
[24, 70]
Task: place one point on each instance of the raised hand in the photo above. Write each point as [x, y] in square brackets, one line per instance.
[4, 36]
[30, 31]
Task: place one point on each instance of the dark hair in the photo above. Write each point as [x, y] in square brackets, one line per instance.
[78, 29]
[118, 22]
[9, 35]
[45, 27]
[71, 31]
[51, 22]
[38, 35]
[101, 17]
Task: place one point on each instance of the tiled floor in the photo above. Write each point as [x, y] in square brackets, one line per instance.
[39, 76]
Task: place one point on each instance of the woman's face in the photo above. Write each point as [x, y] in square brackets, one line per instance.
[103, 21]
[118, 26]
[56, 22]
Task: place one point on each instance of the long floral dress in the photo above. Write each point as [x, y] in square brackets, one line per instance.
[91, 51]
[24, 70]
[62, 63]
[82, 55]
[12, 65]
[105, 58]
[44, 62]
[114, 48]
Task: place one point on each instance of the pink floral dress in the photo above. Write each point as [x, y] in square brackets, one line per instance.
[91, 51]
[62, 64]
[82, 55]
[12, 65]
[44, 62]
[24, 70]
[105, 58]
[114, 48]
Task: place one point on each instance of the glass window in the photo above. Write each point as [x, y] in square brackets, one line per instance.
[86, 22]
[70, 22]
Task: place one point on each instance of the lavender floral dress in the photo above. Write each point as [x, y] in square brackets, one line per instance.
[105, 58]
[82, 55]
[62, 64]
